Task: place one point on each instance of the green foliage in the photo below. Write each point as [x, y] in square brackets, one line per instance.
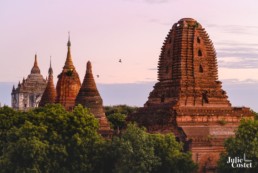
[244, 142]
[122, 109]
[116, 115]
[135, 152]
[138, 151]
[117, 120]
[52, 140]
[171, 156]
[69, 72]
[48, 139]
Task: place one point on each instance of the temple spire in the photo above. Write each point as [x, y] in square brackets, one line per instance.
[68, 84]
[69, 63]
[89, 82]
[89, 97]
[89, 67]
[69, 42]
[36, 61]
[35, 69]
[50, 70]
[49, 95]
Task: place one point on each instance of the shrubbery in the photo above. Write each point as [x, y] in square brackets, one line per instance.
[52, 140]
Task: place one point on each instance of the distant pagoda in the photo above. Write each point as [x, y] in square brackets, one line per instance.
[28, 94]
[49, 95]
[188, 99]
[68, 84]
[89, 97]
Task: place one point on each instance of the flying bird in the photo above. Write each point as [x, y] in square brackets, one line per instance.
[120, 61]
[97, 76]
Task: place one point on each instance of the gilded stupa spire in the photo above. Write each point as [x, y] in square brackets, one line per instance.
[35, 69]
[68, 63]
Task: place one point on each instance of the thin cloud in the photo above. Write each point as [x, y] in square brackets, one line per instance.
[239, 49]
[250, 64]
[234, 44]
[238, 55]
[245, 55]
[235, 29]
[238, 60]
[237, 81]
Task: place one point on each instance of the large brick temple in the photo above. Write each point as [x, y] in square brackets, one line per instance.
[188, 98]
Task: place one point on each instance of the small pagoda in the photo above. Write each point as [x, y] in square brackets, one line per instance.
[68, 84]
[89, 97]
[49, 95]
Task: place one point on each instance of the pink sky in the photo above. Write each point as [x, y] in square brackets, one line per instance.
[104, 31]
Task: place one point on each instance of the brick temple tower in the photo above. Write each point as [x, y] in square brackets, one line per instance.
[68, 84]
[187, 70]
[188, 99]
[49, 95]
[27, 95]
[90, 98]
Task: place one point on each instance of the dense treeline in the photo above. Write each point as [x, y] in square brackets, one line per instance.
[52, 140]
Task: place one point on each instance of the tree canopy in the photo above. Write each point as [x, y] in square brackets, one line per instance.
[52, 140]
[117, 115]
[47, 139]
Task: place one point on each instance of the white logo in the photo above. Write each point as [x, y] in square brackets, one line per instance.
[238, 162]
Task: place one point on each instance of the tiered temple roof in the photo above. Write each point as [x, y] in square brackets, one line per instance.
[28, 93]
[68, 84]
[35, 82]
[90, 98]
